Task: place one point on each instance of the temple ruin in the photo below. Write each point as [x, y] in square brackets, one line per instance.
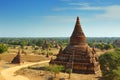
[78, 56]
[17, 58]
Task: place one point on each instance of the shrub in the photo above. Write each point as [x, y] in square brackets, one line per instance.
[3, 48]
[54, 69]
[110, 65]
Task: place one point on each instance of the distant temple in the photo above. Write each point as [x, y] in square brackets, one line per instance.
[78, 56]
[116, 43]
[17, 58]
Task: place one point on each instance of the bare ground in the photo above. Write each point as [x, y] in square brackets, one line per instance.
[8, 74]
[36, 73]
[33, 74]
[6, 58]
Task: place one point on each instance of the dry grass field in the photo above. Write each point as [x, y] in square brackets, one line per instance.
[35, 74]
[7, 57]
[26, 58]
[29, 55]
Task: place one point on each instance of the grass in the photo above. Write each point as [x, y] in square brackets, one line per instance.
[30, 56]
[37, 72]
[27, 58]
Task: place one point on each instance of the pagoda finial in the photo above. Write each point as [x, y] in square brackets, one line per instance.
[78, 22]
[77, 18]
[77, 35]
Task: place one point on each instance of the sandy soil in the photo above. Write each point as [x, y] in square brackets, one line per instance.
[2, 63]
[36, 73]
[6, 58]
[8, 74]
[5, 65]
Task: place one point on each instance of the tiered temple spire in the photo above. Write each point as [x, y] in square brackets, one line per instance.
[78, 55]
[78, 36]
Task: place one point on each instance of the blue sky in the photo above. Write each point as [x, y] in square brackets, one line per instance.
[56, 18]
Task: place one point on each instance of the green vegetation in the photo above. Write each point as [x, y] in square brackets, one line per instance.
[3, 48]
[62, 41]
[54, 69]
[39, 42]
[69, 71]
[110, 61]
[103, 46]
[23, 43]
[110, 65]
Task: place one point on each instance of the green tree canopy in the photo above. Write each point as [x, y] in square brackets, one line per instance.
[23, 43]
[110, 65]
[55, 68]
[3, 48]
[39, 43]
[108, 46]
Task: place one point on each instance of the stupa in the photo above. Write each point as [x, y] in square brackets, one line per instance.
[78, 56]
[17, 58]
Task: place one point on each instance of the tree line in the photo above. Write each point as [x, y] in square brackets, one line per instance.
[100, 43]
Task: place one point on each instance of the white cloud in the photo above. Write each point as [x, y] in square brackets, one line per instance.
[77, 8]
[79, 4]
[89, 8]
[111, 12]
[84, 6]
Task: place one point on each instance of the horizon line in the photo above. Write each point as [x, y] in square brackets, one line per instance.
[65, 37]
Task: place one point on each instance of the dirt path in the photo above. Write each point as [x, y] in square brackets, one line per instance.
[8, 74]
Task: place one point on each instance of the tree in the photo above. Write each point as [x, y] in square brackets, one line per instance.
[39, 43]
[116, 74]
[69, 71]
[108, 46]
[100, 46]
[33, 46]
[23, 43]
[110, 63]
[55, 69]
[3, 48]
[91, 44]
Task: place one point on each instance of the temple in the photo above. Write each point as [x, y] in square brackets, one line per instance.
[78, 56]
[17, 58]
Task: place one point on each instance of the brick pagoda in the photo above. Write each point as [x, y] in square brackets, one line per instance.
[78, 55]
[17, 58]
